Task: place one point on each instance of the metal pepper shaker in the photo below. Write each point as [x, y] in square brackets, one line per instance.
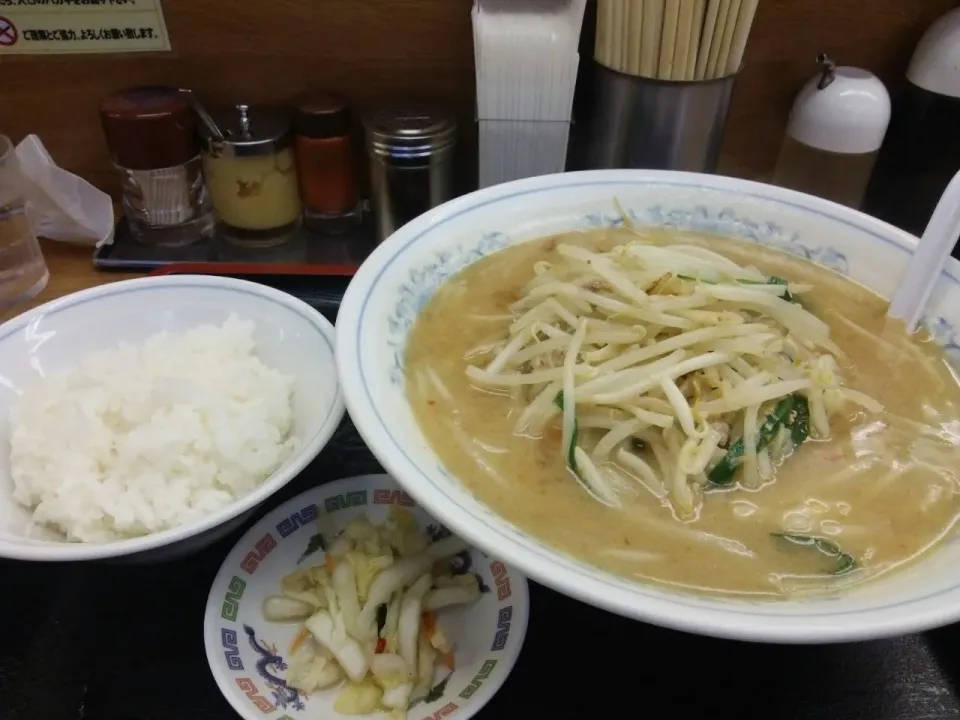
[411, 163]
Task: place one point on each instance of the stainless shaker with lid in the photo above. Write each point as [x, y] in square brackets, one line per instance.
[411, 163]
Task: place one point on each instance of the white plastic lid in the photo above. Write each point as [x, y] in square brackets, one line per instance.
[935, 65]
[850, 115]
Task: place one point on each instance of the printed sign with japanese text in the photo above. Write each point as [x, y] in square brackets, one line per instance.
[39, 27]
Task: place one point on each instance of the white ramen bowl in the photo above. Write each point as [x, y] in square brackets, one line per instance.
[290, 336]
[397, 280]
[246, 652]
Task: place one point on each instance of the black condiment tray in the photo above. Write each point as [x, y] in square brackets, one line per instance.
[119, 641]
[303, 248]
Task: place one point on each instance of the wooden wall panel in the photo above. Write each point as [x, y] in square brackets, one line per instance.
[377, 50]
[879, 35]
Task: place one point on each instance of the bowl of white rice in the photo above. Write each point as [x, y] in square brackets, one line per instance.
[150, 417]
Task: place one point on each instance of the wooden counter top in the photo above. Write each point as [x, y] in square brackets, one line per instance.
[71, 269]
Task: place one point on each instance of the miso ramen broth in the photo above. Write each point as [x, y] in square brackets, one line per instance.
[805, 446]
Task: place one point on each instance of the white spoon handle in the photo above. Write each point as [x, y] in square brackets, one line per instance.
[928, 260]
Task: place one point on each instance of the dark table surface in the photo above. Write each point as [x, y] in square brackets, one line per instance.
[99, 641]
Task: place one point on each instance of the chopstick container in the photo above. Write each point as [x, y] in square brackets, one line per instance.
[628, 121]
[412, 168]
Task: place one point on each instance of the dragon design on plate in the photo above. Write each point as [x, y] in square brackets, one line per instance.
[284, 696]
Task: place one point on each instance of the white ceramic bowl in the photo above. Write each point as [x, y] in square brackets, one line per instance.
[401, 275]
[290, 336]
[246, 652]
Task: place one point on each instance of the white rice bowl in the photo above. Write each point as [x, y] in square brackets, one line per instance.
[97, 453]
[140, 439]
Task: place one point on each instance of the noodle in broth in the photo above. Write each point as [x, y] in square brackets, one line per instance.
[742, 421]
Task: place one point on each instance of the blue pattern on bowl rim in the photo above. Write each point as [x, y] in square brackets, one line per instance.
[547, 554]
[945, 335]
[415, 292]
[423, 281]
[728, 223]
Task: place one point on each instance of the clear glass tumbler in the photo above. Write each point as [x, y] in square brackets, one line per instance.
[23, 272]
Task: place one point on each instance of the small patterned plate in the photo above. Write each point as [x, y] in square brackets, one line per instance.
[246, 652]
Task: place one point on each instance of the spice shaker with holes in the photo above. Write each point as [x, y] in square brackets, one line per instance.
[411, 155]
[151, 137]
[327, 164]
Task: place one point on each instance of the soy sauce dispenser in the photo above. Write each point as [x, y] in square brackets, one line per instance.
[922, 150]
[834, 134]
